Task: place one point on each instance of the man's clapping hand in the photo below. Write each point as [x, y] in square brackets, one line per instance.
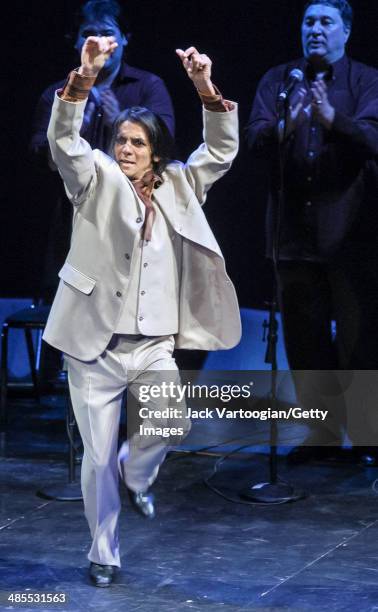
[323, 111]
[110, 106]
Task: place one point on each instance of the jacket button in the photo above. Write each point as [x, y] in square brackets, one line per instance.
[139, 219]
[127, 256]
[142, 292]
[309, 203]
[140, 318]
[118, 294]
[145, 265]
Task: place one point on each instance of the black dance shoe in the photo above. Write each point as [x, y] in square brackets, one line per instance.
[143, 503]
[101, 575]
[317, 446]
[366, 455]
[304, 454]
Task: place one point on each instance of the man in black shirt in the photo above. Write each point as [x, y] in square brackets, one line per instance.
[327, 260]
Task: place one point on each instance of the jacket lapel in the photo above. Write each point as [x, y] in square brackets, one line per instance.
[165, 198]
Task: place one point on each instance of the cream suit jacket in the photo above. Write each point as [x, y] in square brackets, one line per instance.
[107, 222]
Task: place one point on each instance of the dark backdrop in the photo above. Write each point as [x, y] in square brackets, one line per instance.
[244, 39]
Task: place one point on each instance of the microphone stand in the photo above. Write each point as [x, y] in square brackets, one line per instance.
[274, 491]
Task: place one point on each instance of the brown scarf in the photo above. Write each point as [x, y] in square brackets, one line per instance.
[144, 187]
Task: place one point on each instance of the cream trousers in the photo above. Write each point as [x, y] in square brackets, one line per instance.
[96, 389]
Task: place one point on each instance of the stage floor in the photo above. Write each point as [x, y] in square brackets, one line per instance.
[202, 552]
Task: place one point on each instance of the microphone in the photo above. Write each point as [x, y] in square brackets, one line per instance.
[295, 76]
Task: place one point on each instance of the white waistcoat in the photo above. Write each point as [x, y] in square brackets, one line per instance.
[155, 274]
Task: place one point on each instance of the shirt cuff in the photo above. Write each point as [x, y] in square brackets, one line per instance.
[216, 102]
[77, 87]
